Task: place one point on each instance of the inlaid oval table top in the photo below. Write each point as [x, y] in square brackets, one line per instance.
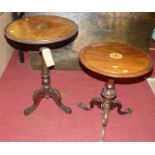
[116, 60]
[41, 29]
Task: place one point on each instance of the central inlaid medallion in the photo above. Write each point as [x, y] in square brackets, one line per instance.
[116, 55]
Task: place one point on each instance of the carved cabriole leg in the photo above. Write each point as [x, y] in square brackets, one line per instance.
[118, 107]
[46, 91]
[37, 96]
[94, 102]
[55, 94]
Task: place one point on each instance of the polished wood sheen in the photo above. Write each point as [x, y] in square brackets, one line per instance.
[41, 29]
[40, 33]
[116, 60]
[134, 28]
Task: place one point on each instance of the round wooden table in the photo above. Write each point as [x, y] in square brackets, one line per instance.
[114, 60]
[39, 33]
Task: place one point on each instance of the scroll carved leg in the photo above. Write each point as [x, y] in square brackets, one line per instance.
[55, 94]
[37, 96]
[94, 102]
[118, 106]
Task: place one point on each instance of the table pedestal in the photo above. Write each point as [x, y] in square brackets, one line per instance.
[46, 92]
[106, 103]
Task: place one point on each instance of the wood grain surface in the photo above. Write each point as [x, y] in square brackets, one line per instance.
[41, 29]
[116, 60]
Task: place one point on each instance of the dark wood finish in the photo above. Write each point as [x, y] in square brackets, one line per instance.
[37, 33]
[46, 92]
[21, 56]
[116, 60]
[17, 15]
[106, 103]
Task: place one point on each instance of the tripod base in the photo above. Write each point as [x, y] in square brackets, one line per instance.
[106, 104]
[46, 92]
[99, 102]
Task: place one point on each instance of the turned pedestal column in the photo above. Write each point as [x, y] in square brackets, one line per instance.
[114, 61]
[36, 33]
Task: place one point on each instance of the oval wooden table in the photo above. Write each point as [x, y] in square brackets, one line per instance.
[42, 33]
[114, 60]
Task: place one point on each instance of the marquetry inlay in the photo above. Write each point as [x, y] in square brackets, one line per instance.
[116, 55]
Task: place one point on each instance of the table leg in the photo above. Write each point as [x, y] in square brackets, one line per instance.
[55, 94]
[37, 96]
[116, 104]
[94, 102]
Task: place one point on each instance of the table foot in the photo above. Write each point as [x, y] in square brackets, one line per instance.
[55, 94]
[116, 104]
[37, 96]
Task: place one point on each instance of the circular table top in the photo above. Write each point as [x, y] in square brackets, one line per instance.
[116, 60]
[41, 29]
